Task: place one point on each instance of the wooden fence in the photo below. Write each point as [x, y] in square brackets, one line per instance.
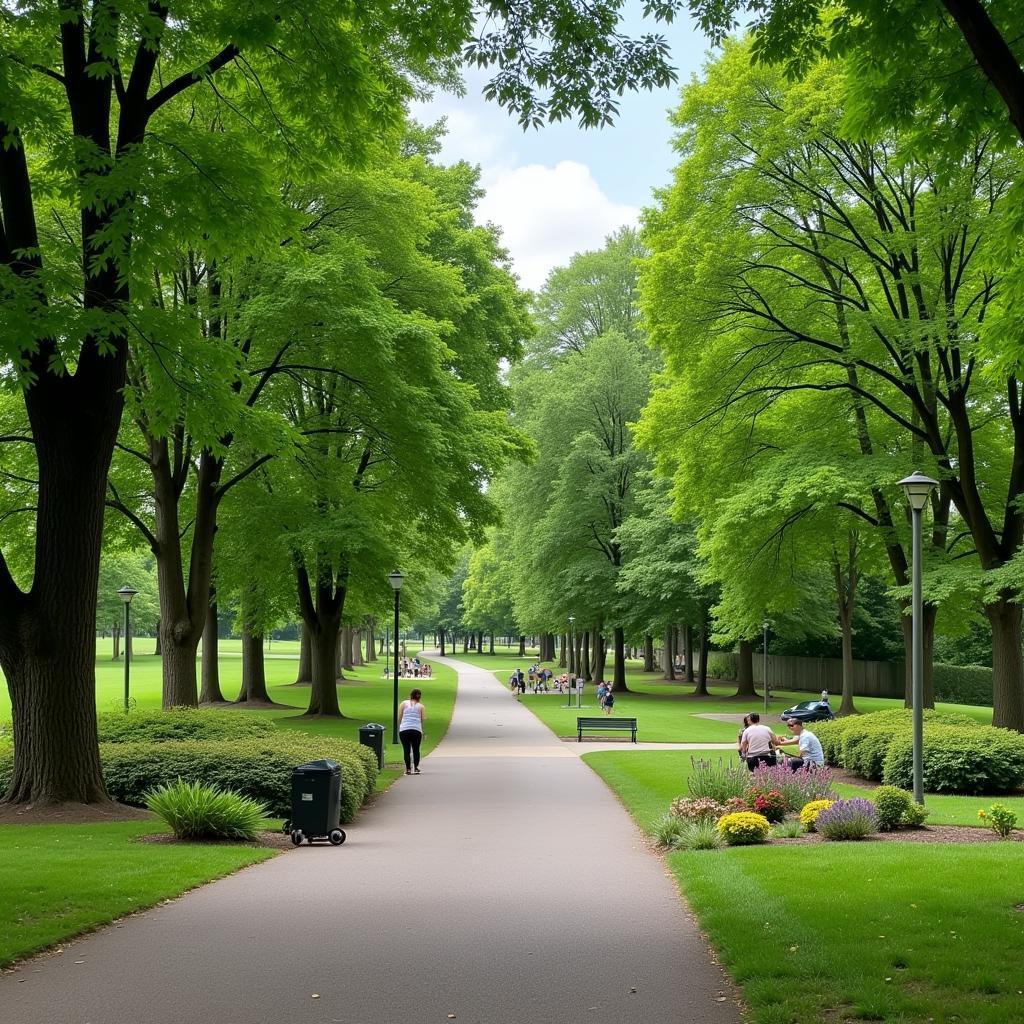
[812, 675]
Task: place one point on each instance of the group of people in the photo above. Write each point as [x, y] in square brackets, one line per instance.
[759, 744]
[543, 680]
[413, 668]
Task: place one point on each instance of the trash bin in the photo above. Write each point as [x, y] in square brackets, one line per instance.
[316, 803]
[372, 736]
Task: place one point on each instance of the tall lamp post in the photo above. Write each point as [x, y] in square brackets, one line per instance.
[764, 645]
[396, 579]
[917, 487]
[126, 594]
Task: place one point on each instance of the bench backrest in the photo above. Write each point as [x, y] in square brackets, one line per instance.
[607, 723]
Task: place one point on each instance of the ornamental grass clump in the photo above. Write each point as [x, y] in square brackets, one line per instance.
[701, 834]
[809, 813]
[195, 811]
[743, 828]
[697, 809]
[1000, 819]
[848, 819]
[718, 781]
[666, 830]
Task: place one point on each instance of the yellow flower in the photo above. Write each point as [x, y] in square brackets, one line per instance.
[981, 814]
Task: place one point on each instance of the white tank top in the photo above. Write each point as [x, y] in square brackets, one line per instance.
[411, 717]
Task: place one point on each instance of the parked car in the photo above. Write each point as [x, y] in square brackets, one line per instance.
[810, 711]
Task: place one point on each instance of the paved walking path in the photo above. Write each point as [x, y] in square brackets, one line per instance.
[505, 885]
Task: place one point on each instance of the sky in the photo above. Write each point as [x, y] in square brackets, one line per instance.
[562, 189]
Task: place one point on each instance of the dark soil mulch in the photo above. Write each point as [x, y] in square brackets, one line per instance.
[927, 834]
[269, 840]
[70, 813]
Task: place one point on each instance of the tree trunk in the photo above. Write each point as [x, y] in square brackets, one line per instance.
[619, 668]
[357, 648]
[158, 650]
[688, 652]
[371, 638]
[674, 636]
[480, 642]
[211, 692]
[305, 673]
[1007, 665]
[563, 654]
[745, 672]
[670, 669]
[465, 643]
[648, 652]
[702, 661]
[928, 615]
[600, 657]
[491, 650]
[440, 634]
[846, 706]
[322, 606]
[115, 635]
[346, 649]
[254, 676]
[522, 646]
[584, 666]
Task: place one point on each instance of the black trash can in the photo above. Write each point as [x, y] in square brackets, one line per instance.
[372, 736]
[316, 803]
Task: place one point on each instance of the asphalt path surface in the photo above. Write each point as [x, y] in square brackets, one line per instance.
[505, 884]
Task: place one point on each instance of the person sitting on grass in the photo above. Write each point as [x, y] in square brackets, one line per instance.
[808, 744]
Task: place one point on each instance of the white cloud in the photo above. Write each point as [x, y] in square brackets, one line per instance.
[547, 214]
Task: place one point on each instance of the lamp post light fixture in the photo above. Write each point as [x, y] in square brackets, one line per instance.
[396, 579]
[126, 594]
[917, 487]
[764, 644]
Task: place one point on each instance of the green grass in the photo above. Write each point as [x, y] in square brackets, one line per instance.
[898, 932]
[57, 881]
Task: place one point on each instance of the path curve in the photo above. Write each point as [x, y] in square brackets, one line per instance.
[505, 884]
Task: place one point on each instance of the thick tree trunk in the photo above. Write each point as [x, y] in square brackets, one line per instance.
[670, 669]
[323, 694]
[619, 668]
[1007, 665]
[115, 634]
[928, 615]
[563, 654]
[846, 707]
[304, 674]
[158, 649]
[648, 652]
[745, 671]
[688, 652]
[322, 606]
[371, 637]
[480, 642]
[346, 648]
[522, 646]
[254, 676]
[440, 634]
[357, 648]
[211, 692]
[465, 643]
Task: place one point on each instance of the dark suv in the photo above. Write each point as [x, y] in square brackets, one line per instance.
[809, 711]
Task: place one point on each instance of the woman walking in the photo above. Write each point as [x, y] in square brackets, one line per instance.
[411, 716]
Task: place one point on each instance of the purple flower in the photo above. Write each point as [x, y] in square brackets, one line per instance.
[848, 819]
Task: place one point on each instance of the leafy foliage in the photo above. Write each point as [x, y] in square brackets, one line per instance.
[195, 811]
[181, 724]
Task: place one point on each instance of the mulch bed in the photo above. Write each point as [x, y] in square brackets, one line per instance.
[70, 813]
[267, 840]
[927, 834]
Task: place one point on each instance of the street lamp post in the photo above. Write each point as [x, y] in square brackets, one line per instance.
[764, 645]
[396, 579]
[917, 487]
[572, 660]
[126, 594]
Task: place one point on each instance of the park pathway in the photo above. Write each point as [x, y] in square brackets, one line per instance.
[504, 885]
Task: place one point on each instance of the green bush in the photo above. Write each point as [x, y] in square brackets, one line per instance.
[181, 724]
[891, 806]
[959, 760]
[915, 815]
[195, 811]
[963, 684]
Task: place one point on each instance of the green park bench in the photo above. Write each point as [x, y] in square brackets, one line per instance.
[604, 725]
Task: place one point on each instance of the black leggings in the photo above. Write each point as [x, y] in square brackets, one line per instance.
[411, 745]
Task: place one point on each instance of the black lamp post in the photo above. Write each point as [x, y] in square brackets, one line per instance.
[396, 579]
[764, 632]
[126, 594]
[917, 487]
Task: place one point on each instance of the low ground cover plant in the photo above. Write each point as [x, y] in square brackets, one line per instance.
[848, 819]
[809, 813]
[195, 811]
[1000, 819]
[719, 780]
[743, 828]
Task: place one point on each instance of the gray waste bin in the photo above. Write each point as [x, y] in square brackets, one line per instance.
[316, 803]
[372, 736]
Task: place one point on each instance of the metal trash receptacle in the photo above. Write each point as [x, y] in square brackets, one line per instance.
[316, 803]
[372, 736]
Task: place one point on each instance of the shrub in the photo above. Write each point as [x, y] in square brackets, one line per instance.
[181, 724]
[743, 828]
[915, 815]
[787, 829]
[891, 806]
[1000, 819]
[963, 684]
[195, 811]
[719, 781]
[848, 819]
[698, 835]
[772, 805]
[666, 830]
[809, 813]
[257, 768]
[797, 787]
[697, 809]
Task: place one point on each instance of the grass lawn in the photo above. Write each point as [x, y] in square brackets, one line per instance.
[843, 931]
[60, 880]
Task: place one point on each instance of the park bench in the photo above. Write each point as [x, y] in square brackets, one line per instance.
[603, 725]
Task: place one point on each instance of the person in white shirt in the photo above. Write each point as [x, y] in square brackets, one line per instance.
[411, 717]
[757, 744]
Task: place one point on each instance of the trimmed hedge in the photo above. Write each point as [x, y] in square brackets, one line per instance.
[960, 754]
[181, 724]
[255, 767]
[963, 684]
